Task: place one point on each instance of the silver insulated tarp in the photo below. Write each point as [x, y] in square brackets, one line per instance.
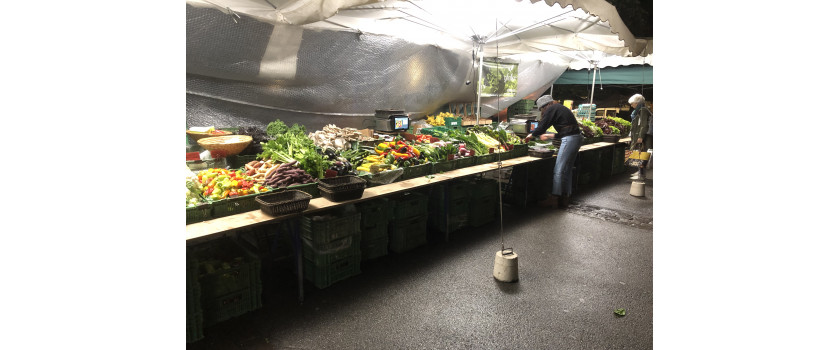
[245, 70]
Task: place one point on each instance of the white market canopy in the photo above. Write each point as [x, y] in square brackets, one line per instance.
[545, 37]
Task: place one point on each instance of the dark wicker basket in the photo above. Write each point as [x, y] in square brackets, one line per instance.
[344, 195]
[540, 154]
[341, 183]
[286, 202]
[342, 188]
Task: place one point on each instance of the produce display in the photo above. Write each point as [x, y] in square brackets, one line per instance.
[589, 128]
[292, 144]
[258, 135]
[438, 120]
[286, 174]
[288, 155]
[622, 125]
[219, 184]
[337, 138]
[194, 197]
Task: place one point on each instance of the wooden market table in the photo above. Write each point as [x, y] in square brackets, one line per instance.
[215, 228]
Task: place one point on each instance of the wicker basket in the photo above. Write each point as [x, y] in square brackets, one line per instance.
[540, 154]
[286, 202]
[342, 188]
[231, 145]
[195, 135]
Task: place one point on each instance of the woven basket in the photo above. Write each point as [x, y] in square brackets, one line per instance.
[341, 183]
[195, 135]
[286, 202]
[540, 154]
[342, 188]
[231, 145]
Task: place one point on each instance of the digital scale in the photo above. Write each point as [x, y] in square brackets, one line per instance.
[391, 120]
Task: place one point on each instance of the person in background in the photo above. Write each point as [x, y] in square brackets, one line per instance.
[570, 138]
[640, 128]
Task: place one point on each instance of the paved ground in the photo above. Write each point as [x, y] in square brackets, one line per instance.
[576, 267]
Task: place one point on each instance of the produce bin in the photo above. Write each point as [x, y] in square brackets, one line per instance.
[229, 280]
[483, 210]
[416, 171]
[238, 205]
[374, 248]
[199, 213]
[341, 249]
[443, 166]
[327, 275]
[374, 213]
[454, 219]
[407, 204]
[407, 234]
[506, 155]
[520, 150]
[329, 229]
[486, 159]
[464, 162]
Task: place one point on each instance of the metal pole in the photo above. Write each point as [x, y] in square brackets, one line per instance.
[592, 97]
[480, 80]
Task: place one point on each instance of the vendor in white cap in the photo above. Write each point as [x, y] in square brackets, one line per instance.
[569, 137]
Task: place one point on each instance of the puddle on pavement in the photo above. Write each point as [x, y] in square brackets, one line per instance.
[611, 215]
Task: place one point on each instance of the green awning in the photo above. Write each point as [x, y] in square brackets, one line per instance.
[635, 75]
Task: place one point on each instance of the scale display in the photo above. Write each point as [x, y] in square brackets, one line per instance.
[401, 123]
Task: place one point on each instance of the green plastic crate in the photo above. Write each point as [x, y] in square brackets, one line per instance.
[453, 123]
[238, 205]
[520, 150]
[232, 287]
[464, 162]
[506, 155]
[407, 234]
[416, 171]
[485, 159]
[374, 248]
[483, 210]
[455, 218]
[375, 232]
[199, 213]
[408, 204]
[455, 189]
[373, 212]
[324, 232]
[443, 166]
[325, 276]
[483, 188]
[195, 327]
[346, 247]
[618, 159]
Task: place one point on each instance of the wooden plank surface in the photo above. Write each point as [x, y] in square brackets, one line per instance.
[212, 229]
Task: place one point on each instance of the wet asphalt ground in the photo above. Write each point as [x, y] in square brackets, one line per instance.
[576, 267]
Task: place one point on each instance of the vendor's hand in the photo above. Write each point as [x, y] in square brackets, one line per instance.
[639, 140]
[528, 139]
[546, 137]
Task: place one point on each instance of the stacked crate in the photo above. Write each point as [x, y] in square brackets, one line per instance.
[228, 280]
[374, 226]
[449, 206]
[331, 246]
[484, 201]
[530, 183]
[407, 226]
[195, 319]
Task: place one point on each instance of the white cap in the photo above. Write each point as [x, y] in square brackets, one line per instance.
[544, 100]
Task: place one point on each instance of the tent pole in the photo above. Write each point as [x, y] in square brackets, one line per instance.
[592, 97]
[480, 81]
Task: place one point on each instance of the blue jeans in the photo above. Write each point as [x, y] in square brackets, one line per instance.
[566, 154]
